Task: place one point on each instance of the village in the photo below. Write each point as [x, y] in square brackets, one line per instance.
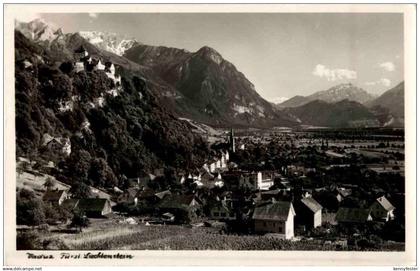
[296, 186]
[343, 188]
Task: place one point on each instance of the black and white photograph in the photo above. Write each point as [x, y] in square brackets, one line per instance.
[211, 131]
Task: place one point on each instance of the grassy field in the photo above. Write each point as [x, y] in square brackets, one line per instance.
[109, 234]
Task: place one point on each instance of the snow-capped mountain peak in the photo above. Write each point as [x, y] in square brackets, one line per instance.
[38, 30]
[108, 41]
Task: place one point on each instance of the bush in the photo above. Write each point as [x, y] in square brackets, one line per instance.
[54, 244]
[29, 209]
[27, 241]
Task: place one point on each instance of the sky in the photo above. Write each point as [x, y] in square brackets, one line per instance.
[282, 54]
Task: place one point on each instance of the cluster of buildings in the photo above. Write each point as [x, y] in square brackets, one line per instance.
[266, 199]
[92, 207]
[86, 62]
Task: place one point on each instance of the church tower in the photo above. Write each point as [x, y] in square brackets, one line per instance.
[232, 141]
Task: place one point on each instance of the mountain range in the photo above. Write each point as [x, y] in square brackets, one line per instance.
[346, 105]
[334, 94]
[205, 87]
[110, 42]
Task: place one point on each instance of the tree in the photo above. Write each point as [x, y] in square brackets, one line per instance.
[80, 190]
[80, 221]
[49, 183]
[79, 164]
[29, 209]
[101, 174]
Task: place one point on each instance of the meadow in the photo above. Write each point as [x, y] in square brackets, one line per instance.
[109, 235]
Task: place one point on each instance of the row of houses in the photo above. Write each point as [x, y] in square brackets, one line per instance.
[268, 214]
[381, 210]
[98, 206]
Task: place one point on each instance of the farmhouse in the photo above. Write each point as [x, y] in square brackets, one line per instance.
[353, 215]
[276, 217]
[79, 66]
[382, 209]
[56, 197]
[80, 53]
[94, 207]
[177, 204]
[308, 212]
[264, 181]
[342, 193]
[129, 196]
[222, 210]
[70, 204]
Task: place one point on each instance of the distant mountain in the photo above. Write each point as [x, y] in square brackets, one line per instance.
[392, 99]
[332, 95]
[110, 42]
[207, 88]
[344, 113]
[294, 102]
[389, 107]
[38, 30]
[342, 92]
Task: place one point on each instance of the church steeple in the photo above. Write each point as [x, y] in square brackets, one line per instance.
[232, 141]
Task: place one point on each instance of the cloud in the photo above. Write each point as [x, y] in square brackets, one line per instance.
[383, 81]
[388, 66]
[333, 74]
[93, 15]
[278, 100]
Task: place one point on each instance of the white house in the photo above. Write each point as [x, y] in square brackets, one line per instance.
[275, 217]
[264, 181]
[382, 209]
[100, 66]
[79, 66]
[213, 167]
[112, 69]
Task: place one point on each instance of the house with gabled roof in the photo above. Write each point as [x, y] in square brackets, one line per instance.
[382, 209]
[223, 210]
[275, 217]
[94, 207]
[55, 197]
[342, 193]
[191, 204]
[129, 196]
[70, 204]
[162, 194]
[308, 212]
[353, 215]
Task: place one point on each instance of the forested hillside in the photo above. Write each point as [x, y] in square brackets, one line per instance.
[91, 127]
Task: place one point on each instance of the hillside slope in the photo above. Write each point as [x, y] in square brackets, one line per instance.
[94, 127]
[392, 99]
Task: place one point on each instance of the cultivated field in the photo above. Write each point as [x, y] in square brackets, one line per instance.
[109, 235]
